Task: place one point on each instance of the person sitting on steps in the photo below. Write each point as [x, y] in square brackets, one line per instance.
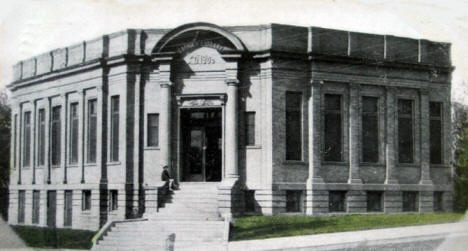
[166, 176]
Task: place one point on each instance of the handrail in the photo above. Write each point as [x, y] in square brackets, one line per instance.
[100, 234]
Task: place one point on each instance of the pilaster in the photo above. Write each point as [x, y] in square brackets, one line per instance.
[315, 157]
[390, 152]
[425, 140]
[354, 145]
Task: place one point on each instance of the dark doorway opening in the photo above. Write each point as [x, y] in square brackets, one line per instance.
[201, 131]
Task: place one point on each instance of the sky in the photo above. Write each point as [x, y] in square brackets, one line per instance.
[31, 27]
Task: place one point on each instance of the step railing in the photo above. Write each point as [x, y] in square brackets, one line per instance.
[106, 228]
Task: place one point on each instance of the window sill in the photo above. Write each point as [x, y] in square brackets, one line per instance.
[40, 167]
[152, 148]
[55, 166]
[408, 165]
[336, 163]
[26, 167]
[86, 212]
[372, 164]
[73, 166]
[295, 162]
[114, 163]
[90, 164]
[253, 147]
[439, 165]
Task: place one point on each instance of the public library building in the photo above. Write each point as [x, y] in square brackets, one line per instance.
[281, 118]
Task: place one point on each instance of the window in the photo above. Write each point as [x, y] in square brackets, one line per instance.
[410, 201]
[36, 207]
[92, 130]
[41, 138]
[27, 139]
[153, 129]
[374, 201]
[14, 140]
[74, 133]
[435, 132]
[250, 201]
[294, 201]
[333, 128]
[21, 208]
[114, 140]
[56, 137]
[370, 129]
[68, 208]
[86, 200]
[405, 131]
[293, 126]
[113, 200]
[438, 204]
[337, 201]
[250, 128]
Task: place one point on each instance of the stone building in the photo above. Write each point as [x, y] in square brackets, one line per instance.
[277, 118]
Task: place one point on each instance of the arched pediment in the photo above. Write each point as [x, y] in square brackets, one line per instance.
[194, 35]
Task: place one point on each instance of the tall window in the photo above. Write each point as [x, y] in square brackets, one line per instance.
[405, 131]
[36, 207]
[56, 137]
[92, 130]
[14, 139]
[41, 138]
[27, 139]
[21, 204]
[114, 140]
[153, 129]
[74, 133]
[250, 128]
[68, 208]
[435, 128]
[370, 129]
[333, 128]
[293, 126]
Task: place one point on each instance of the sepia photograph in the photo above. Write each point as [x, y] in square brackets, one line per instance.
[146, 125]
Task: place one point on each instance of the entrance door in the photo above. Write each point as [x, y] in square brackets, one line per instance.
[201, 144]
[51, 208]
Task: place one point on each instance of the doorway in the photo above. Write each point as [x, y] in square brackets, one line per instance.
[201, 131]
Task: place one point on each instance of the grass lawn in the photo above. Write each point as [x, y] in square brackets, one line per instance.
[54, 238]
[262, 227]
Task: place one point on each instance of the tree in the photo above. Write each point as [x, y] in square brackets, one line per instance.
[461, 156]
[5, 118]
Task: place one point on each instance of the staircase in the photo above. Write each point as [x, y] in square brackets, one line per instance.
[190, 213]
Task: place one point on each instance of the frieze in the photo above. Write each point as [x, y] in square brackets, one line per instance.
[201, 101]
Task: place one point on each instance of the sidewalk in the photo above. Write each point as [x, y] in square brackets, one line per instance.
[344, 240]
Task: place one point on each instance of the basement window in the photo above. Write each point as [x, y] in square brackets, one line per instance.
[294, 201]
[337, 201]
[410, 201]
[374, 201]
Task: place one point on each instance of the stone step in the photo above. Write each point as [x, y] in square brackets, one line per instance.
[190, 208]
[164, 229]
[163, 236]
[172, 222]
[184, 217]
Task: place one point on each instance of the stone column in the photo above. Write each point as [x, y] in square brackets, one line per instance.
[232, 172]
[313, 204]
[354, 145]
[390, 153]
[425, 137]
[165, 124]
